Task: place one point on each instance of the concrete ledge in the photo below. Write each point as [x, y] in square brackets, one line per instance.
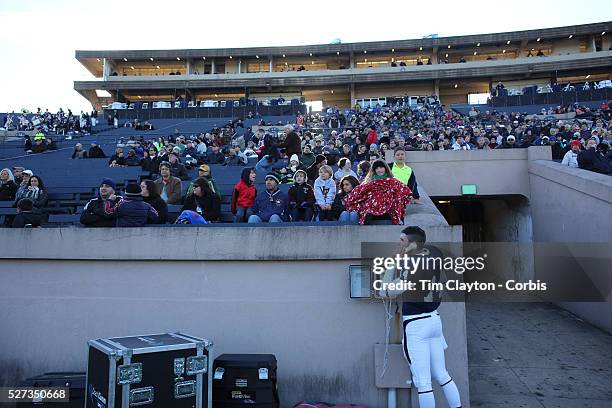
[211, 244]
[587, 182]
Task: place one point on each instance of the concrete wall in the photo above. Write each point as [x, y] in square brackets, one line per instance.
[495, 172]
[572, 205]
[281, 290]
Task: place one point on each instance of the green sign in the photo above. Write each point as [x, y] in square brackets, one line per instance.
[468, 189]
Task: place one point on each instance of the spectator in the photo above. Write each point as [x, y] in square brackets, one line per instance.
[95, 151]
[460, 144]
[8, 188]
[380, 198]
[168, 186]
[312, 172]
[509, 143]
[26, 217]
[215, 157]
[78, 152]
[205, 171]
[243, 195]
[404, 173]
[292, 143]
[203, 201]
[347, 184]
[235, 157]
[131, 211]
[17, 173]
[148, 190]
[132, 160]
[27, 144]
[362, 170]
[344, 169]
[176, 168]
[23, 186]
[308, 157]
[592, 158]
[301, 198]
[325, 192]
[571, 157]
[117, 159]
[51, 145]
[151, 161]
[35, 191]
[93, 214]
[271, 206]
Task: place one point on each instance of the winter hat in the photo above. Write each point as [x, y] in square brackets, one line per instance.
[204, 167]
[273, 177]
[28, 172]
[108, 182]
[510, 137]
[303, 172]
[294, 157]
[320, 159]
[575, 143]
[132, 190]
[374, 146]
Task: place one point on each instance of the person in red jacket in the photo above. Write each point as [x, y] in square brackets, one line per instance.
[243, 196]
[372, 136]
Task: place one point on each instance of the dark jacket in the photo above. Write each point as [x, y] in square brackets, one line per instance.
[8, 190]
[173, 189]
[93, 215]
[215, 158]
[306, 160]
[301, 196]
[96, 152]
[132, 161]
[292, 144]
[28, 218]
[160, 206]
[178, 170]
[150, 164]
[267, 204]
[210, 206]
[338, 204]
[131, 212]
[592, 160]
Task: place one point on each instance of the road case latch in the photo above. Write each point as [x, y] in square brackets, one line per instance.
[197, 365]
[129, 373]
[179, 366]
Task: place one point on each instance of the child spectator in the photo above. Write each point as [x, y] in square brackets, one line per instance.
[301, 198]
[362, 170]
[243, 196]
[347, 184]
[344, 165]
[25, 216]
[325, 191]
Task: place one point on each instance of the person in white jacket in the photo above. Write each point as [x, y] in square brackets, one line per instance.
[325, 192]
[571, 157]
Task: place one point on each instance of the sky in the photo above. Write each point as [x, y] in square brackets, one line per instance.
[38, 38]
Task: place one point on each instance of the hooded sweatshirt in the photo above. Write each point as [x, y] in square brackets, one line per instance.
[244, 191]
[325, 191]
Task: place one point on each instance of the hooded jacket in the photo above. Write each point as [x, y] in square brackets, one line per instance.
[244, 191]
[301, 195]
[209, 205]
[269, 203]
[307, 159]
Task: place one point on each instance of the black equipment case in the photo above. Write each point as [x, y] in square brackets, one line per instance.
[158, 370]
[245, 379]
[74, 381]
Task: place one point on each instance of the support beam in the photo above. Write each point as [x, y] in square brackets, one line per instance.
[352, 89]
[434, 55]
[189, 72]
[271, 63]
[437, 87]
[352, 60]
[212, 66]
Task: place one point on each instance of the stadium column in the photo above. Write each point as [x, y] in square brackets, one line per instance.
[437, 87]
[271, 63]
[352, 60]
[189, 67]
[240, 65]
[352, 86]
[212, 66]
[591, 47]
[106, 67]
[434, 55]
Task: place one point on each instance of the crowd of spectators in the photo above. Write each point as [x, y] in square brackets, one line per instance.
[327, 158]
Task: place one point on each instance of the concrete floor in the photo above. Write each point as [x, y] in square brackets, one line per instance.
[536, 355]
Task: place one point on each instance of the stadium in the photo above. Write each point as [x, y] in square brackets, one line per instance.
[237, 194]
